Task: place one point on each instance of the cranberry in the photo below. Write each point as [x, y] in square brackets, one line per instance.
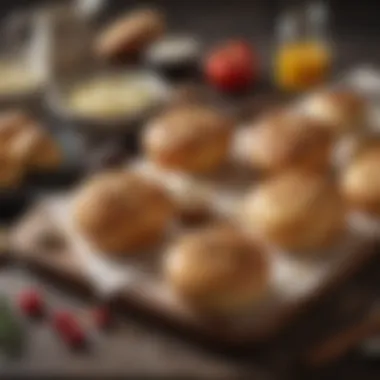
[69, 329]
[32, 303]
[75, 338]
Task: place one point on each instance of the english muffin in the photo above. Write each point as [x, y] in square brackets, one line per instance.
[283, 140]
[217, 270]
[122, 213]
[297, 211]
[192, 139]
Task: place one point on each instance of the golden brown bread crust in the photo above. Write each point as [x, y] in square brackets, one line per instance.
[11, 171]
[121, 213]
[217, 269]
[26, 142]
[361, 180]
[192, 139]
[24, 146]
[129, 34]
[341, 110]
[365, 145]
[12, 122]
[283, 140]
[195, 214]
[35, 149]
[348, 100]
[296, 211]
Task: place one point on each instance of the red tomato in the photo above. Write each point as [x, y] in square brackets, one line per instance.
[227, 76]
[231, 67]
[239, 50]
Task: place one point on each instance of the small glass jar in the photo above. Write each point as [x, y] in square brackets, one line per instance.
[21, 70]
[303, 54]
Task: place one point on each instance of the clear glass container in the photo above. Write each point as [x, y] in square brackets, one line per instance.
[21, 58]
[303, 54]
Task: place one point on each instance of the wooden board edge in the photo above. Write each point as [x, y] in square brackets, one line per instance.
[124, 301]
[269, 332]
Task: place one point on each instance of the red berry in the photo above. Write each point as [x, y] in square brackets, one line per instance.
[31, 302]
[69, 329]
[102, 317]
[76, 338]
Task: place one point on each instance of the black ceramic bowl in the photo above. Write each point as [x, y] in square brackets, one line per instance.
[175, 57]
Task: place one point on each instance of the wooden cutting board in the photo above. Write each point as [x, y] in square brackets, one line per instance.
[148, 297]
[153, 300]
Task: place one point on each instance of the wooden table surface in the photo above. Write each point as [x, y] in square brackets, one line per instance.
[143, 349]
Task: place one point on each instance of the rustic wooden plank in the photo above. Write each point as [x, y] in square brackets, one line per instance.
[54, 258]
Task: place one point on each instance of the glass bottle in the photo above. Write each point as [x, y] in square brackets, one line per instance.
[303, 54]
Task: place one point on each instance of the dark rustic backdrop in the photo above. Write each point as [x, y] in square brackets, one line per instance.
[355, 25]
[355, 29]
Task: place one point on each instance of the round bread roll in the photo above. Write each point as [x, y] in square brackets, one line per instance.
[121, 213]
[36, 149]
[361, 180]
[296, 211]
[191, 139]
[346, 148]
[340, 110]
[130, 34]
[284, 139]
[11, 123]
[217, 270]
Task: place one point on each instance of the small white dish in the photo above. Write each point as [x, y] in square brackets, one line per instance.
[174, 50]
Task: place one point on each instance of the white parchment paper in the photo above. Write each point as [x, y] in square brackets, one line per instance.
[106, 275]
[291, 278]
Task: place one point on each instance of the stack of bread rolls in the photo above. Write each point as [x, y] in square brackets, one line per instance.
[302, 207]
[25, 148]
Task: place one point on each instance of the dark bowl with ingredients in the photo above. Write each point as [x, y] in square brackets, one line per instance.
[176, 57]
[109, 105]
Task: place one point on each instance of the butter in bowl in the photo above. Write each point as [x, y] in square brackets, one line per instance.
[109, 102]
[19, 84]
